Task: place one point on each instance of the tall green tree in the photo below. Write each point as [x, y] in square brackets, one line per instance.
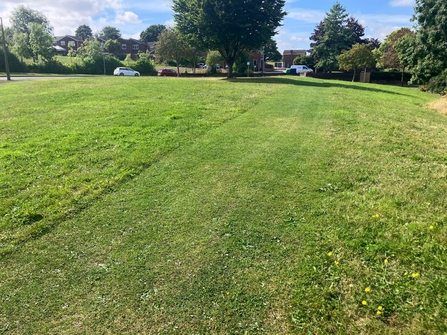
[171, 47]
[336, 33]
[358, 57]
[22, 19]
[90, 50]
[388, 56]
[84, 31]
[151, 33]
[109, 33]
[41, 42]
[271, 52]
[112, 45]
[229, 26]
[23, 16]
[429, 48]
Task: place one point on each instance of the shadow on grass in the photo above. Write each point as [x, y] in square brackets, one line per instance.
[316, 83]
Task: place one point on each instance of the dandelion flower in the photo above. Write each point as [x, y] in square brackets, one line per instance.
[376, 216]
[368, 289]
[406, 274]
[380, 308]
[386, 260]
[364, 303]
[379, 312]
[336, 262]
[329, 253]
[432, 227]
[414, 275]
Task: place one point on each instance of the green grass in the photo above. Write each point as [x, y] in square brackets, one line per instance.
[182, 206]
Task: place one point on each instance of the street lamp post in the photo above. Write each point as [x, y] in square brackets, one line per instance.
[5, 51]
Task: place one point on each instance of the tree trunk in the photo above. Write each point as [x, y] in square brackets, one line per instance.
[402, 78]
[230, 70]
[353, 77]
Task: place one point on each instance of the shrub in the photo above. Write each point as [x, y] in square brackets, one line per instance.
[15, 65]
[438, 84]
[52, 66]
[144, 65]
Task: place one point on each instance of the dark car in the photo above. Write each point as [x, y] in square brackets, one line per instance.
[167, 72]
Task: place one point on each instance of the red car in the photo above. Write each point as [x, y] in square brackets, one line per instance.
[167, 72]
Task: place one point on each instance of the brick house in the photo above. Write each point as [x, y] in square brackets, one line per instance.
[66, 42]
[289, 55]
[131, 46]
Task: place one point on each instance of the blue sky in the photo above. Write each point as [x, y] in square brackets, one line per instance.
[379, 17]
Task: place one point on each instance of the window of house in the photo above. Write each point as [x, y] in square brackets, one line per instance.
[135, 47]
[123, 46]
[71, 43]
[62, 43]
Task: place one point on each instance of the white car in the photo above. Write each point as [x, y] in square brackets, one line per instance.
[125, 71]
[300, 69]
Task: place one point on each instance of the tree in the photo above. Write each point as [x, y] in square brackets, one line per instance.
[171, 47]
[23, 16]
[112, 46]
[357, 30]
[429, 48]
[214, 57]
[109, 33]
[21, 20]
[21, 46]
[337, 36]
[358, 57]
[41, 42]
[151, 33]
[374, 43]
[83, 31]
[271, 52]
[229, 26]
[387, 55]
[90, 50]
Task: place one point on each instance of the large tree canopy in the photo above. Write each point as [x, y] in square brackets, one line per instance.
[336, 33]
[83, 31]
[229, 26]
[430, 45]
[358, 57]
[109, 33]
[27, 22]
[23, 16]
[151, 33]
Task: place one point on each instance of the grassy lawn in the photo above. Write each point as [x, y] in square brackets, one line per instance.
[257, 206]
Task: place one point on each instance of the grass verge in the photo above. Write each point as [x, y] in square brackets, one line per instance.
[284, 205]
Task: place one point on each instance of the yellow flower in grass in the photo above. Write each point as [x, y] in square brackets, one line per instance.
[364, 303]
[432, 227]
[386, 260]
[336, 262]
[368, 289]
[379, 312]
[414, 275]
[329, 253]
[406, 274]
[380, 308]
[376, 216]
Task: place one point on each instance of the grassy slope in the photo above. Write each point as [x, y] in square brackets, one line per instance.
[214, 207]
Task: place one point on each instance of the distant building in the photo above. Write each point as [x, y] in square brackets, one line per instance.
[289, 55]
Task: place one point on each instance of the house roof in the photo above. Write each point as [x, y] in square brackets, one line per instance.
[294, 52]
[59, 48]
[74, 38]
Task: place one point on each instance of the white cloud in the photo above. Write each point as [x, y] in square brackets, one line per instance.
[127, 17]
[402, 3]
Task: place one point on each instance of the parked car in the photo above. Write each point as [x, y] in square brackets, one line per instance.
[300, 69]
[201, 65]
[125, 71]
[167, 72]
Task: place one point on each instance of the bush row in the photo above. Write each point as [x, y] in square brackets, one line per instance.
[87, 66]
